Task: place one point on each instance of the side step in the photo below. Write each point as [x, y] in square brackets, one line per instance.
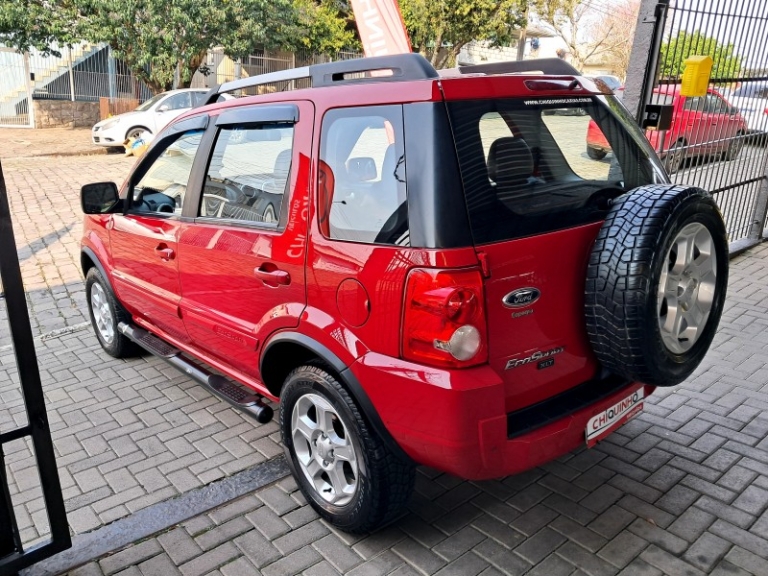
[239, 397]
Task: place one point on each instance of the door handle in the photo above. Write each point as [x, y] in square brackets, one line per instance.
[271, 276]
[166, 254]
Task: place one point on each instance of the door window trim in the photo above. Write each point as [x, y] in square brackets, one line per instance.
[263, 114]
[156, 149]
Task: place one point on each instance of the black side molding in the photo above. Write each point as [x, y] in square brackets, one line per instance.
[348, 378]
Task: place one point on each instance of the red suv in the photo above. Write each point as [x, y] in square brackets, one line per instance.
[420, 268]
[701, 126]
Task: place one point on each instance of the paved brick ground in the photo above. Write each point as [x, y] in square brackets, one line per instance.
[683, 489]
[44, 195]
[680, 490]
[26, 143]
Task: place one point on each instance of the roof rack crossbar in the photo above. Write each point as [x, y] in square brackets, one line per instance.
[554, 66]
[400, 67]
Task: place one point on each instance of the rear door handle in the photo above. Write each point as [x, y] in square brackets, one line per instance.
[166, 254]
[271, 276]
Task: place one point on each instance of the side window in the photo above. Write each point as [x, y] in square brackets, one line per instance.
[715, 105]
[177, 102]
[248, 173]
[694, 104]
[163, 182]
[362, 190]
[198, 98]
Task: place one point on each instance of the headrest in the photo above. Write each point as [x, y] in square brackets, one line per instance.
[283, 164]
[510, 161]
[389, 164]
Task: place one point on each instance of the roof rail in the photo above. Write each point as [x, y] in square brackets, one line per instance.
[554, 66]
[399, 67]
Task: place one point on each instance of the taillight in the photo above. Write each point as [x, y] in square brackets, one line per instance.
[444, 321]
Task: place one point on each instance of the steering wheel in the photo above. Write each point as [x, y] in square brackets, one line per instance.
[213, 205]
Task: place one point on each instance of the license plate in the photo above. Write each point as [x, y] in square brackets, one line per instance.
[601, 425]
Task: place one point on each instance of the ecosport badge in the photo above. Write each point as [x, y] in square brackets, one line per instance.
[521, 297]
[538, 355]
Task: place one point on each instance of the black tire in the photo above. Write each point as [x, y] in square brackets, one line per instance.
[596, 153]
[135, 131]
[675, 157]
[384, 481]
[735, 146]
[632, 253]
[119, 346]
[269, 215]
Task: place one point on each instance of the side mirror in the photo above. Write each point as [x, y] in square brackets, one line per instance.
[99, 198]
[164, 108]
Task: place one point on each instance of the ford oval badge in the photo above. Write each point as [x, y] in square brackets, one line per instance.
[521, 297]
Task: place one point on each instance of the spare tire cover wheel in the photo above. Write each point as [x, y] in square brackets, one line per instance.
[656, 283]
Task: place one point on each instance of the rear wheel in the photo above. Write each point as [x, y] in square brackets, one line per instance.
[675, 157]
[343, 468]
[595, 153]
[735, 146]
[656, 283]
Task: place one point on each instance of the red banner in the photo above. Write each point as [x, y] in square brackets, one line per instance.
[381, 27]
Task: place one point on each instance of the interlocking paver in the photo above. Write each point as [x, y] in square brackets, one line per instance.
[683, 488]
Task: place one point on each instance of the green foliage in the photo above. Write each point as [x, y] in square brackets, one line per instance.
[157, 37]
[40, 24]
[440, 28]
[726, 63]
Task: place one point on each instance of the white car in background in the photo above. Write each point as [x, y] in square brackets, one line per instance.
[751, 98]
[152, 116]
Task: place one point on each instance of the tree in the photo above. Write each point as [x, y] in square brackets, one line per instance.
[439, 29]
[159, 38]
[575, 22]
[619, 23]
[39, 24]
[726, 64]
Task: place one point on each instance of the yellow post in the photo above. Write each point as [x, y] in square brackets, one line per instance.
[696, 76]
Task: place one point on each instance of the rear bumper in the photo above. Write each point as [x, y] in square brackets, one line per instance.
[454, 420]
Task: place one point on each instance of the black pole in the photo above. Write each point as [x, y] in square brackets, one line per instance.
[12, 557]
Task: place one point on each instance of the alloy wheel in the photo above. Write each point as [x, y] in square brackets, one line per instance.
[687, 288]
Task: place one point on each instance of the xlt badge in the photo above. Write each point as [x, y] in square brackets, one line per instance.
[538, 355]
[521, 297]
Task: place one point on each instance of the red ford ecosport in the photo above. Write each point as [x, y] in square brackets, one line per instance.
[421, 268]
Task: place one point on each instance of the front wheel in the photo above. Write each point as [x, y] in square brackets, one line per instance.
[595, 153]
[106, 313]
[347, 474]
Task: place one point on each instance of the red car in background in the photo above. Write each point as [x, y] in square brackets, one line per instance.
[701, 126]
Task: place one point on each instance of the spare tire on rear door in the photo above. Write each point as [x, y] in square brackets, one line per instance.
[656, 283]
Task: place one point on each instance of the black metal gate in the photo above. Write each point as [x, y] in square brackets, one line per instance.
[13, 556]
[717, 141]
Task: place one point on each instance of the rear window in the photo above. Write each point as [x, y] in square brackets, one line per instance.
[534, 166]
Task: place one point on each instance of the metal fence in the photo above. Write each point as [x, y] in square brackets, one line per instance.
[717, 141]
[220, 68]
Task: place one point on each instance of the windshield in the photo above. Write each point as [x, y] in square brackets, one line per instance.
[149, 103]
[538, 165]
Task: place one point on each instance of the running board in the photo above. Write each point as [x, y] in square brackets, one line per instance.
[239, 397]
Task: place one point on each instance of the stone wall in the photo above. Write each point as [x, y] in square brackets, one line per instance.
[65, 113]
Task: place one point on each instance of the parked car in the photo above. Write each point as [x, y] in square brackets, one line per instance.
[751, 98]
[151, 117]
[701, 126]
[444, 281]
